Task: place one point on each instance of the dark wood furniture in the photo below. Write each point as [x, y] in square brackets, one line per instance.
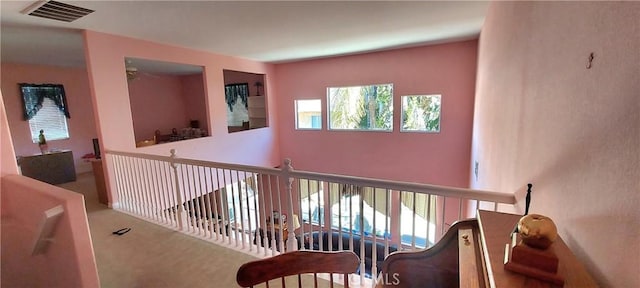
[264, 235]
[438, 266]
[298, 263]
[98, 174]
[471, 254]
[276, 228]
[336, 240]
[51, 167]
[495, 228]
[161, 138]
[245, 126]
[177, 135]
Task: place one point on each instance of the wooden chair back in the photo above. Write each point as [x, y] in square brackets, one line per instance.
[298, 263]
[437, 266]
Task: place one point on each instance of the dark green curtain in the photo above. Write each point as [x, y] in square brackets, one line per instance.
[33, 95]
[233, 91]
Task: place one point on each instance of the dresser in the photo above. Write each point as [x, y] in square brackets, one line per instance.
[52, 167]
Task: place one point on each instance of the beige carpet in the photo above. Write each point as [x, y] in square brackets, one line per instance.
[151, 255]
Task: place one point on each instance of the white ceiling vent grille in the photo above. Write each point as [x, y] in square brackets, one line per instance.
[57, 11]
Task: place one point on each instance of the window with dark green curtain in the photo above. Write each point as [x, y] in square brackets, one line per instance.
[46, 108]
[234, 91]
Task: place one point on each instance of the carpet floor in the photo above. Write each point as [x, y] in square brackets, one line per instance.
[153, 256]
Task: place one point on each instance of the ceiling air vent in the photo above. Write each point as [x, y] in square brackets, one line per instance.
[57, 11]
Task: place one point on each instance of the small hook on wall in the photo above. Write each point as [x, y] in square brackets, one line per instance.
[590, 61]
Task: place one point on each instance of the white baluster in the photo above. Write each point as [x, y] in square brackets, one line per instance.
[292, 242]
[374, 247]
[428, 209]
[182, 215]
[166, 175]
[272, 230]
[387, 219]
[360, 192]
[413, 220]
[263, 220]
[240, 213]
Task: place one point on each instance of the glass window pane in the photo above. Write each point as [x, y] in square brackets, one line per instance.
[418, 218]
[242, 199]
[50, 119]
[311, 201]
[361, 107]
[421, 113]
[316, 122]
[308, 114]
[347, 215]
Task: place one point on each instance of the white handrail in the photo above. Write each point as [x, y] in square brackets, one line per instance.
[439, 190]
[432, 189]
[203, 163]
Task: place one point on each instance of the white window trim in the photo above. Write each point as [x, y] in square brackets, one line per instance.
[295, 104]
[402, 130]
[358, 130]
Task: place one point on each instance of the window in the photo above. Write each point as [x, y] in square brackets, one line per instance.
[346, 212]
[242, 204]
[422, 223]
[361, 107]
[237, 96]
[308, 114]
[45, 107]
[51, 120]
[344, 209]
[311, 201]
[420, 113]
[316, 121]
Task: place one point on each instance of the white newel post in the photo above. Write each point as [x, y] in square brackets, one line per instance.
[292, 242]
[182, 215]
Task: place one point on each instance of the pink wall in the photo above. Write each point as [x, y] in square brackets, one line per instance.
[81, 125]
[438, 158]
[157, 104]
[164, 102]
[69, 260]
[105, 62]
[105, 58]
[8, 164]
[542, 117]
[233, 77]
[194, 96]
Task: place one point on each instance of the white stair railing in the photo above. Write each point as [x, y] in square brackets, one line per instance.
[375, 217]
[242, 206]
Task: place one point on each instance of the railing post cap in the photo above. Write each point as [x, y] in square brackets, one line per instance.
[287, 164]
